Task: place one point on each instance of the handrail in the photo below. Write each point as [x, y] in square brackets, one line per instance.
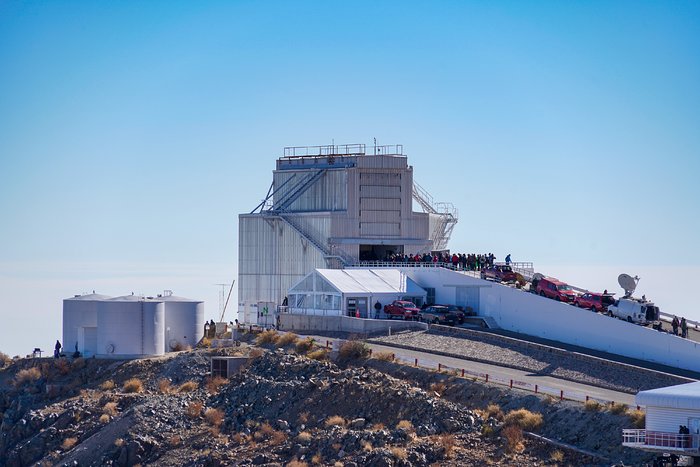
[357, 149]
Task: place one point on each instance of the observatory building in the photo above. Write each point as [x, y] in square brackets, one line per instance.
[329, 207]
[132, 325]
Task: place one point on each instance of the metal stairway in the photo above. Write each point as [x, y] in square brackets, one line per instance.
[447, 216]
[322, 246]
[297, 190]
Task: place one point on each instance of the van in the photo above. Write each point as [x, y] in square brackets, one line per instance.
[635, 311]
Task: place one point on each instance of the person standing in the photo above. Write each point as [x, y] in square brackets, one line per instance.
[377, 309]
[674, 325]
[508, 260]
[684, 328]
[57, 349]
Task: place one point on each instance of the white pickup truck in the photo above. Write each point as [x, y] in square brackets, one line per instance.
[635, 310]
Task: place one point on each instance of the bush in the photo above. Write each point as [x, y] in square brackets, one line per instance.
[28, 375]
[62, 366]
[110, 408]
[133, 385]
[447, 443]
[399, 452]
[296, 463]
[78, 363]
[5, 360]
[383, 356]
[513, 435]
[188, 386]
[304, 437]
[353, 350]
[618, 408]
[305, 345]
[406, 426]
[214, 417]
[107, 385]
[205, 343]
[214, 384]
[335, 420]
[175, 441]
[194, 409]
[104, 418]
[287, 339]
[255, 354]
[267, 337]
[68, 443]
[524, 419]
[556, 456]
[494, 411]
[438, 388]
[638, 418]
[164, 386]
[592, 405]
[318, 354]
[270, 435]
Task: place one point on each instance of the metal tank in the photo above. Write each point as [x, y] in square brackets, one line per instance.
[184, 321]
[130, 326]
[80, 323]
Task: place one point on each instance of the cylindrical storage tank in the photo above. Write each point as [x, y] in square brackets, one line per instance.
[80, 323]
[184, 322]
[130, 326]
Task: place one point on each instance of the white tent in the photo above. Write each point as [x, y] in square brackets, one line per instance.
[348, 291]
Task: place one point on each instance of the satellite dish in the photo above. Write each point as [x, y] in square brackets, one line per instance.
[628, 283]
[109, 348]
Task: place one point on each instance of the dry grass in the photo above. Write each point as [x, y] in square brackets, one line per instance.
[194, 409]
[592, 405]
[524, 419]
[378, 426]
[296, 463]
[335, 420]
[406, 426]
[214, 417]
[188, 386]
[438, 388]
[214, 384]
[62, 366]
[493, 411]
[255, 354]
[287, 340]
[78, 363]
[164, 386]
[556, 456]
[638, 418]
[107, 385]
[175, 441]
[68, 443]
[367, 446]
[399, 452]
[110, 408]
[353, 350]
[267, 337]
[269, 435]
[618, 408]
[28, 375]
[383, 356]
[205, 343]
[303, 417]
[119, 442]
[304, 437]
[5, 360]
[317, 459]
[104, 418]
[305, 345]
[513, 436]
[318, 354]
[133, 385]
[447, 442]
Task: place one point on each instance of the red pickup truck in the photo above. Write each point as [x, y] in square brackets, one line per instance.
[401, 309]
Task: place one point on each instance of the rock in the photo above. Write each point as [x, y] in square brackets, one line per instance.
[357, 423]
[283, 424]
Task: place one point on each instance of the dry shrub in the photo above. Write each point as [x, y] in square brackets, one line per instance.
[214, 417]
[318, 354]
[556, 456]
[383, 356]
[513, 435]
[438, 388]
[367, 446]
[164, 386]
[28, 375]
[107, 385]
[267, 337]
[304, 437]
[214, 384]
[305, 345]
[524, 419]
[255, 354]
[104, 418]
[296, 463]
[317, 459]
[78, 363]
[447, 442]
[487, 430]
[62, 366]
[406, 426]
[119, 442]
[179, 346]
[550, 399]
[399, 452]
[194, 409]
[287, 339]
[303, 417]
[270, 435]
[618, 408]
[68, 443]
[188, 386]
[592, 405]
[133, 385]
[110, 408]
[493, 411]
[335, 420]
[638, 418]
[353, 350]
[175, 441]
[205, 343]
[5, 360]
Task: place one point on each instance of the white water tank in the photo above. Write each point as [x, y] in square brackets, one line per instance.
[80, 323]
[130, 326]
[184, 321]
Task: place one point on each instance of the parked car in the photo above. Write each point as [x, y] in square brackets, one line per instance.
[401, 309]
[635, 310]
[438, 314]
[555, 289]
[499, 273]
[460, 312]
[595, 301]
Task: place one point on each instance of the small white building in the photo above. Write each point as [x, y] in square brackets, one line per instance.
[335, 292]
[80, 323]
[667, 410]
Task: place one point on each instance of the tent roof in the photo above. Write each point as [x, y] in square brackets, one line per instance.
[374, 281]
[682, 396]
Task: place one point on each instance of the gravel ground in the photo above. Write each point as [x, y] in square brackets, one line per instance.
[617, 377]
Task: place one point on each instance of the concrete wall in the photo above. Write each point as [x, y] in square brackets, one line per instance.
[291, 322]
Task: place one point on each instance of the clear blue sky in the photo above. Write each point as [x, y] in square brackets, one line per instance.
[133, 133]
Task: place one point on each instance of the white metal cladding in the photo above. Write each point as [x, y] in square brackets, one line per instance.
[380, 216]
[380, 229]
[184, 322]
[381, 178]
[328, 193]
[382, 162]
[374, 191]
[668, 419]
[380, 204]
[130, 326]
[80, 312]
[681, 396]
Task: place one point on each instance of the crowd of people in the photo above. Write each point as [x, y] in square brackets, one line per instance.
[465, 261]
[675, 325]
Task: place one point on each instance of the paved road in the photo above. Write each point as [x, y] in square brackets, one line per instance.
[550, 384]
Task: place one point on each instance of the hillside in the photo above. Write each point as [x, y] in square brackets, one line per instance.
[287, 407]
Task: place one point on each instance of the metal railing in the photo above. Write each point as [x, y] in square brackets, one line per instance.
[342, 150]
[660, 439]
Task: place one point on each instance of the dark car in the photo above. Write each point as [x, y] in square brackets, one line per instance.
[459, 312]
[438, 314]
[500, 273]
[595, 301]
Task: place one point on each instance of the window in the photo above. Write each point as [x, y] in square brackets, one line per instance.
[430, 298]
